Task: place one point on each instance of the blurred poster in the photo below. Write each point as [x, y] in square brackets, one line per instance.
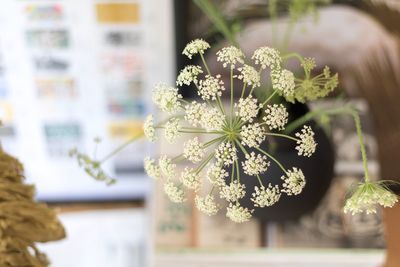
[72, 71]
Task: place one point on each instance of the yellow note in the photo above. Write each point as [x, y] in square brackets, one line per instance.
[125, 129]
[6, 113]
[118, 13]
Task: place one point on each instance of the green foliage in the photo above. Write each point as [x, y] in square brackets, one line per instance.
[92, 167]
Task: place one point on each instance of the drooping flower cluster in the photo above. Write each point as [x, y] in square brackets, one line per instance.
[234, 130]
[367, 196]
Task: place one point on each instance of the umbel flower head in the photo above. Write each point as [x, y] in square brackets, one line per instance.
[367, 196]
[212, 155]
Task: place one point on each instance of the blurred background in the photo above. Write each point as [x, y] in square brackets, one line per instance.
[72, 71]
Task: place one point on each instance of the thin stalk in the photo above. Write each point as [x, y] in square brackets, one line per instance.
[283, 135]
[232, 172]
[121, 147]
[205, 64]
[269, 98]
[241, 147]
[221, 107]
[216, 16]
[295, 55]
[213, 141]
[212, 190]
[204, 163]
[273, 158]
[237, 170]
[178, 158]
[259, 180]
[357, 122]
[232, 93]
[272, 4]
[243, 90]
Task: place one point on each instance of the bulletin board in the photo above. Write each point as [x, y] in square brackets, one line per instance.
[74, 70]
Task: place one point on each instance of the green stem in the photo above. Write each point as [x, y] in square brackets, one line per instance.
[283, 135]
[241, 147]
[286, 37]
[357, 122]
[259, 180]
[204, 163]
[295, 55]
[232, 93]
[243, 90]
[237, 170]
[269, 98]
[272, 5]
[121, 147]
[232, 172]
[273, 158]
[213, 141]
[216, 16]
[205, 64]
[221, 107]
[178, 158]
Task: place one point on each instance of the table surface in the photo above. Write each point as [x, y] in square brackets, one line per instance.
[271, 258]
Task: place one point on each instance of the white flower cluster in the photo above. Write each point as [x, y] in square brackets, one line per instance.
[167, 167]
[233, 192]
[212, 119]
[276, 117]
[148, 128]
[194, 113]
[267, 57]
[206, 205]
[283, 82]
[266, 197]
[167, 98]
[306, 144]
[247, 108]
[255, 164]
[230, 56]
[193, 150]
[190, 178]
[216, 175]
[197, 46]
[211, 87]
[174, 193]
[172, 128]
[250, 76]
[188, 75]
[226, 154]
[368, 196]
[294, 182]
[252, 135]
[238, 214]
[151, 168]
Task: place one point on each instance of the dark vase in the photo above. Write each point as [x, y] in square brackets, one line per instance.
[318, 170]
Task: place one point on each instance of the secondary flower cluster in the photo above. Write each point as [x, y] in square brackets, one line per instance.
[223, 132]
